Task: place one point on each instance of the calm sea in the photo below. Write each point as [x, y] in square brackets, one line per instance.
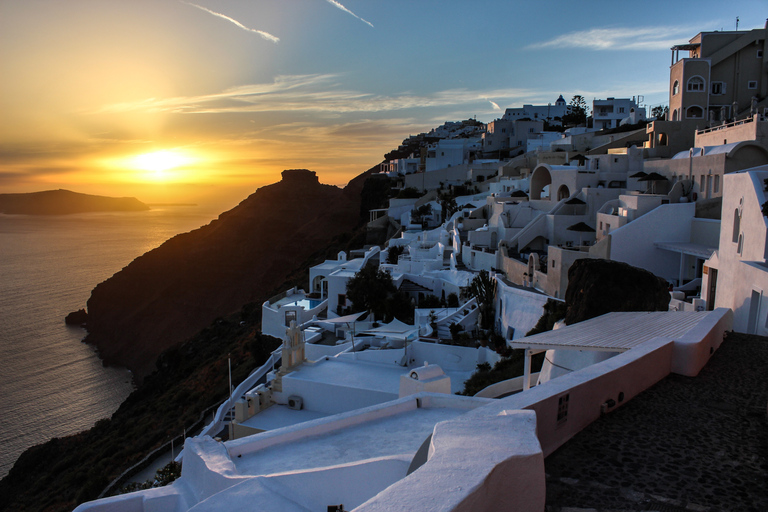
[51, 384]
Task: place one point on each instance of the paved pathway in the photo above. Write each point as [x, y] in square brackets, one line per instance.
[686, 444]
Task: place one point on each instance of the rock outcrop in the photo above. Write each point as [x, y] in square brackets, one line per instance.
[596, 287]
[171, 292]
[79, 317]
[63, 202]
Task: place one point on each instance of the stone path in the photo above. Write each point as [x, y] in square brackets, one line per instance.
[686, 444]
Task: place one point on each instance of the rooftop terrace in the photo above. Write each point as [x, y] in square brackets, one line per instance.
[687, 443]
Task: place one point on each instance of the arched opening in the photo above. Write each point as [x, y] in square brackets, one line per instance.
[663, 139]
[675, 88]
[695, 84]
[694, 112]
[540, 178]
[563, 192]
[317, 284]
[675, 116]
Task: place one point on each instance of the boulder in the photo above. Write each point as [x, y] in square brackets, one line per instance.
[597, 286]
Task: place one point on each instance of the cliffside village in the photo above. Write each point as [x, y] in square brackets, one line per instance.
[357, 412]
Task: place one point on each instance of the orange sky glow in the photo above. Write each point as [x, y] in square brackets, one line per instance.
[204, 102]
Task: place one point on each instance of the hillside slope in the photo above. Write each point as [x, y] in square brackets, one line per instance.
[170, 293]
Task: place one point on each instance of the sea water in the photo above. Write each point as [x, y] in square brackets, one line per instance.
[52, 384]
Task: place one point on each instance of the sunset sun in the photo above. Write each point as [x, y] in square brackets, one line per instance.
[158, 163]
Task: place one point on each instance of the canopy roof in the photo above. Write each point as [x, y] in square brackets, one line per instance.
[614, 332]
[394, 329]
[581, 226]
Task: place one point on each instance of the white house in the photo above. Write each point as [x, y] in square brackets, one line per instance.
[613, 112]
[737, 276]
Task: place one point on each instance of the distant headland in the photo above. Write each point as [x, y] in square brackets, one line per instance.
[63, 202]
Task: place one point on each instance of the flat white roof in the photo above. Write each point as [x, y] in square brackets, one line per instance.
[393, 435]
[354, 374]
[362, 374]
[614, 332]
[279, 416]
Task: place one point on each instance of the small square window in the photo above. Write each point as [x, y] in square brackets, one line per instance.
[759, 54]
[752, 84]
[718, 88]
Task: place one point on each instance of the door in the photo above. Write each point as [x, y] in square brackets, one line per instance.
[754, 309]
[712, 289]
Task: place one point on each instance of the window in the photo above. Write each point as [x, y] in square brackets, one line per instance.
[718, 88]
[562, 409]
[675, 88]
[290, 316]
[695, 83]
[694, 112]
[759, 54]
[752, 84]
[621, 110]
[716, 188]
[736, 226]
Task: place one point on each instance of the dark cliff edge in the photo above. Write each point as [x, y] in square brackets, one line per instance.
[170, 293]
[65, 202]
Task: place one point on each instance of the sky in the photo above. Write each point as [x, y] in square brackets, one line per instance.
[204, 101]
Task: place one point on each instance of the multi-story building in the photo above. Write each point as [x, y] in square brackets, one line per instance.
[725, 76]
[548, 112]
[612, 112]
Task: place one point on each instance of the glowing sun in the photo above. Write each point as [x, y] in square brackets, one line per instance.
[159, 162]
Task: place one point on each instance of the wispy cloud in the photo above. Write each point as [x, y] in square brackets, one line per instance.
[619, 38]
[494, 104]
[338, 5]
[312, 93]
[265, 35]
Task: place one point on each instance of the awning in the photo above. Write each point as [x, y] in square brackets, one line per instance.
[612, 332]
[331, 323]
[394, 329]
[698, 250]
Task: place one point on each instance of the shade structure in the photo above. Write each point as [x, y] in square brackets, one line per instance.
[518, 193]
[581, 227]
[639, 174]
[575, 200]
[653, 178]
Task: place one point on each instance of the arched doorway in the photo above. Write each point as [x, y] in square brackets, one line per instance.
[563, 192]
[540, 178]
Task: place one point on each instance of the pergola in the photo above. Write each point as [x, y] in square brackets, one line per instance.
[612, 332]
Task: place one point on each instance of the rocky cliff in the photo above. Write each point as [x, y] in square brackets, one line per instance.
[596, 287]
[170, 293]
[63, 202]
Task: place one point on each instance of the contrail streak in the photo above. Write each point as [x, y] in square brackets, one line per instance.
[337, 4]
[265, 35]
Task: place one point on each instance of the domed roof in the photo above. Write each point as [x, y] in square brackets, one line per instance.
[560, 100]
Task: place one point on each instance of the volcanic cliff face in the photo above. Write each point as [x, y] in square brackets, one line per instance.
[171, 292]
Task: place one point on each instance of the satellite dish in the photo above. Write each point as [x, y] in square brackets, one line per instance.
[610, 210]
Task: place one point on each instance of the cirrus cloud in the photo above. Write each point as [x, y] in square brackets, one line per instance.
[619, 38]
